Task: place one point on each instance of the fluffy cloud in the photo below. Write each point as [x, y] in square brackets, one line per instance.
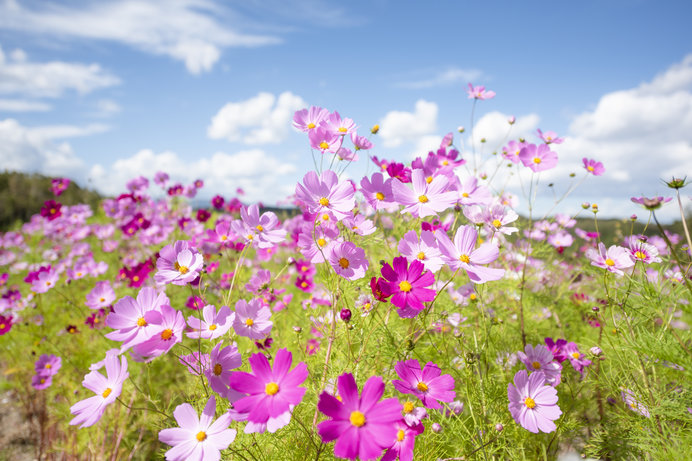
[398, 127]
[261, 176]
[494, 127]
[185, 30]
[49, 79]
[263, 119]
[33, 150]
[22, 105]
[442, 78]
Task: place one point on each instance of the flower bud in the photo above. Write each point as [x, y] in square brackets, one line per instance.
[633, 217]
[677, 183]
[585, 205]
[499, 427]
[375, 129]
[345, 314]
[436, 428]
[297, 330]
[597, 351]
[461, 129]
[511, 120]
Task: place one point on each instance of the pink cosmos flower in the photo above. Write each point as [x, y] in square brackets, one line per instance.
[221, 362]
[378, 192]
[320, 247]
[261, 231]
[89, 411]
[463, 254]
[339, 126]
[549, 137]
[471, 193]
[40, 382]
[102, 295]
[51, 210]
[45, 280]
[651, 203]
[512, 150]
[532, 403]
[307, 119]
[348, 260]
[360, 225]
[362, 426]
[497, 217]
[360, 142]
[413, 415]
[325, 194]
[644, 252]
[557, 348]
[479, 92]
[167, 325]
[407, 286]
[198, 438]
[271, 394]
[635, 405]
[576, 358]
[252, 319]
[178, 264]
[538, 158]
[59, 185]
[426, 198]
[424, 250]
[428, 384]
[325, 140]
[48, 365]
[404, 442]
[614, 260]
[128, 317]
[539, 358]
[213, 324]
[593, 167]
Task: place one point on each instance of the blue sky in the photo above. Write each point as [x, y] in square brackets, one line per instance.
[102, 91]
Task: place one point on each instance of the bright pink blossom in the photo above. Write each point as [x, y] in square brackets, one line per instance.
[538, 158]
[426, 198]
[407, 286]
[428, 384]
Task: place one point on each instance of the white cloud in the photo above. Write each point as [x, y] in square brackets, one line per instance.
[69, 131]
[398, 127]
[263, 119]
[106, 108]
[50, 79]
[21, 105]
[442, 78]
[495, 128]
[260, 175]
[30, 150]
[191, 31]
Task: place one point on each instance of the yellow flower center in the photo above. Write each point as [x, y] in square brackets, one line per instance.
[166, 334]
[135, 278]
[529, 402]
[325, 217]
[422, 386]
[324, 145]
[465, 259]
[590, 168]
[259, 228]
[224, 238]
[408, 407]
[107, 392]
[357, 418]
[343, 262]
[423, 199]
[429, 179]
[400, 435]
[141, 322]
[43, 380]
[2, 326]
[321, 242]
[536, 365]
[249, 322]
[575, 355]
[472, 296]
[465, 194]
[49, 366]
[271, 388]
[201, 436]
[181, 269]
[497, 223]
[609, 262]
[639, 255]
[379, 196]
[405, 286]
[102, 300]
[324, 201]
[311, 126]
[342, 129]
[536, 160]
[212, 327]
[303, 284]
[218, 369]
[421, 256]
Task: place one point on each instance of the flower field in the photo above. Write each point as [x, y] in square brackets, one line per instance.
[407, 314]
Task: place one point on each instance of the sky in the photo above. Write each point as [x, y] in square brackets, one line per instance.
[104, 91]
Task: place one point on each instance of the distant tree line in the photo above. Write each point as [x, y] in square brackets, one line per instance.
[22, 195]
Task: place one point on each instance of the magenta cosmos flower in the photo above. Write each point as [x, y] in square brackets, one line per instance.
[404, 442]
[362, 426]
[463, 254]
[407, 286]
[348, 260]
[89, 411]
[538, 158]
[198, 438]
[593, 167]
[427, 384]
[213, 324]
[178, 264]
[221, 362]
[48, 365]
[326, 194]
[614, 260]
[532, 403]
[270, 394]
[426, 198]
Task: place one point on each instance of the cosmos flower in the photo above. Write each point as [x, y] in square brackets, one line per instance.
[403, 446]
[167, 325]
[532, 403]
[538, 158]
[407, 285]
[213, 325]
[479, 92]
[427, 384]
[325, 193]
[539, 358]
[128, 317]
[426, 198]
[614, 260]
[89, 411]
[252, 319]
[179, 264]
[463, 254]
[549, 137]
[348, 260]
[221, 362]
[362, 426]
[308, 119]
[631, 401]
[198, 438]
[593, 167]
[424, 250]
[48, 365]
[102, 295]
[271, 393]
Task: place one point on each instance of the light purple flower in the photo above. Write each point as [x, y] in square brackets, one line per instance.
[426, 198]
[549, 137]
[167, 325]
[252, 319]
[532, 403]
[198, 438]
[539, 358]
[213, 325]
[428, 384]
[48, 365]
[593, 167]
[378, 192]
[128, 317]
[178, 264]
[89, 411]
[326, 194]
[538, 158]
[635, 405]
[102, 295]
[479, 92]
[221, 362]
[463, 254]
[348, 260]
[614, 260]
[308, 119]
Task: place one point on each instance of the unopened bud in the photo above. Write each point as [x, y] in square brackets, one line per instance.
[571, 175]
[585, 205]
[297, 329]
[461, 129]
[436, 428]
[345, 314]
[511, 120]
[633, 217]
[482, 139]
[677, 183]
[499, 427]
[597, 351]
